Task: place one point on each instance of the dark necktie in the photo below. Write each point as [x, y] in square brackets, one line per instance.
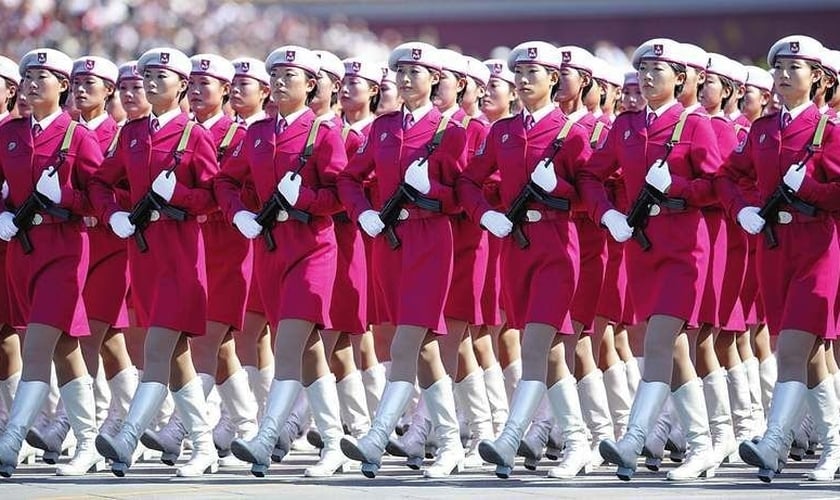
[281, 126]
[529, 122]
[408, 121]
[37, 130]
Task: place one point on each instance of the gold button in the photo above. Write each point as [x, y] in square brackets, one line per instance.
[154, 216]
[37, 220]
[201, 219]
[655, 210]
[403, 215]
[785, 217]
[282, 216]
[90, 221]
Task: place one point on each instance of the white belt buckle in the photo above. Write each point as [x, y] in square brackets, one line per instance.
[403, 215]
[533, 215]
[37, 220]
[785, 217]
[655, 210]
[282, 216]
[154, 216]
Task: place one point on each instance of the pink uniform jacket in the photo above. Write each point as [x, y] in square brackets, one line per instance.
[5, 305]
[106, 288]
[414, 289]
[169, 281]
[228, 256]
[538, 282]
[46, 285]
[678, 259]
[798, 279]
[296, 279]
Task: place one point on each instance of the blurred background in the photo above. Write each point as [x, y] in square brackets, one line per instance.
[122, 29]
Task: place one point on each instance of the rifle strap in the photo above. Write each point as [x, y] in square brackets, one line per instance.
[438, 137]
[227, 139]
[310, 140]
[678, 129]
[185, 138]
[465, 121]
[819, 133]
[68, 138]
[345, 131]
[596, 134]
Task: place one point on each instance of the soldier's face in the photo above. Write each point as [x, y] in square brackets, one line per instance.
[389, 98]
[632, 98]
[447, 90]
[133, 98]
[90, 92]
[356, 92]
[754, 101]
[206, 93]
[498, 98]
[42, 87]
[247, 95]
[163, 87]
[289, 87]
[658, 80]
[793, 79]
[713, 93]
[534, 83]
[415, 81]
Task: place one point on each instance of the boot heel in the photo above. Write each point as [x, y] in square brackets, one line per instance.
[766, 475]
[414, 463]
[531, 463]
[503, 471]
[625, 473]
[259, 470]
[278, 455]
[7, 470]
[169, 458]
[734, 458]
[708, 473]
[119, 469]
[212, 468]
[50, 457]
[653, 464]
[30, 459]
[369, 470]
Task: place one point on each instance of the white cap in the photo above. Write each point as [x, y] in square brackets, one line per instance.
[831, 60]
[415, 53]
[796, 47]
[535, 52]
[295, 56]
[387, 74]
[631, 78]
[51, 59]
[695, 56]
[477, 71]
[724, 66]
[9, 70]
[760, 78]
[499, 69]
[128, 71]
[212, 65]
[576, 57]
[96, 66]
[330, 63]
[661, 49]
[363, 68]
[252, 68]
[602, 70]
[165, 58]
[452, 61]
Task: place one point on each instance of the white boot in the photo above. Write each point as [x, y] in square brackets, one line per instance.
[618, 397]
[770, 452]
[120, 447]
[374, 380]
[7, 395]
[533, 443]
[122, 386]
[596, 413]
[633, 367]
[756, 406]
[241, 409]
[168, 440]
[257, 451]
[577, 456]
[260, 382]
[292, 428]
[471, 397]
[193, 410]
[716, 396]
[657, 437]
[743, 422]
[449, 457]
[513, 374]
[412, 444]
[101, 394]
[324, 402]
[702, 458]
[29, 397]
[650, 397]
[353, 406]
[768, 374]
[51, 437]
[822, 403]
[503, 450]
[369, 448]
[836, 378]
[494, 381]
[78, 399]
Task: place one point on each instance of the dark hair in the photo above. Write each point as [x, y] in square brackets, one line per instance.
[727, 82]
[373, 104]
[333, 94]
[816, 85]
[678, 68]
[62, 99]
[314, 92]
[13, 101]
[830, 91]
[588, 86]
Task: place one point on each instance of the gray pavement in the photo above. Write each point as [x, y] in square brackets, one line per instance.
[154, 480]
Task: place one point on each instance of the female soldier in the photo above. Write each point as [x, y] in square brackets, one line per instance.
[797, 151]
[293, 159]
[539, 150]
[420, 152]
[168, 160]
[632, 98]
[678, 251]
[50, 249]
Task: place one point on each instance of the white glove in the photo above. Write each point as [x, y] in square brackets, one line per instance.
[244, 221]
[48, 185]
[417, 176]
[616, 223]
[497, 223]
[8, 229]
[289, 187]
[659, 176]
[164, 184]
[749, 219]
[544, 175]
[794, 176]
[371, 223]
[120, 224]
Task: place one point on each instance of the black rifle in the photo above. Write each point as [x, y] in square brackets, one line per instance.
[518, 211]
[390, 213]
[640, 212]
[783, 195]
[267, 217]
[141, 215]
[25, 216]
